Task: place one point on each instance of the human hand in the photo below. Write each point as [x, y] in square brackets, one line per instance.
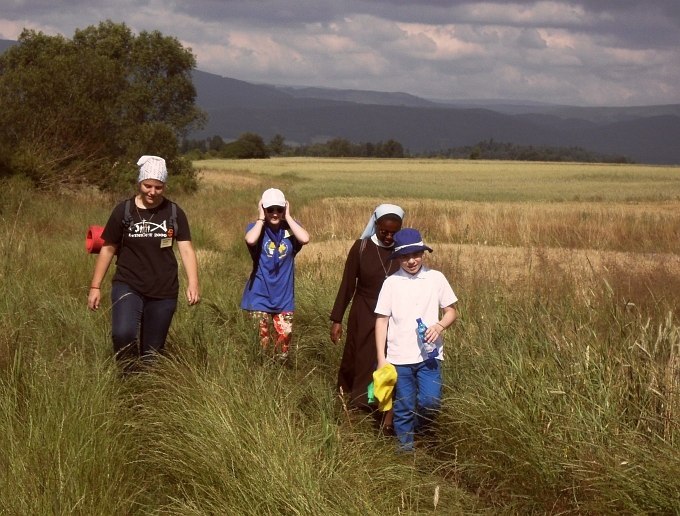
[433, 332]
[193, 295]
[93, 299]
[336, 332]
[260, 210]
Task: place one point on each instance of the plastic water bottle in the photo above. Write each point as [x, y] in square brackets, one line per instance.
[429, 347]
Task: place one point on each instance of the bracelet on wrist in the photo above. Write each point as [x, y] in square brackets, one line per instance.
[261, 220]
[96, 288]
[441, 326]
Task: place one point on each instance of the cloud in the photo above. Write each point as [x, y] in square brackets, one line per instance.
[565, 51]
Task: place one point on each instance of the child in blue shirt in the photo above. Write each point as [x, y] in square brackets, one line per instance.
[273, 240]
[414, 291]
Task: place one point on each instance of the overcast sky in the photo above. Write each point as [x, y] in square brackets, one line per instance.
[580, 52]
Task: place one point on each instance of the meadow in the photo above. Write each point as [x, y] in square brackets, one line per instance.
[562, 374]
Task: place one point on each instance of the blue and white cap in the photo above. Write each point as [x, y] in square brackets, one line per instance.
[408, 240]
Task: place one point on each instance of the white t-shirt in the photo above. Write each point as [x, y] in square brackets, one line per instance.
[404, 298]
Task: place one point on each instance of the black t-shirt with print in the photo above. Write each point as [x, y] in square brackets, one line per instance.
[146, 259]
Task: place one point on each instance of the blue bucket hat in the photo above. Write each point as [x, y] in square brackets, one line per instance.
[408, 240]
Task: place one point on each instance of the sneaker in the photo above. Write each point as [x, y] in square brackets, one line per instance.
[405, 448]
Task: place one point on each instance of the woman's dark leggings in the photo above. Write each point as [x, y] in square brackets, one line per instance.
[134, 315]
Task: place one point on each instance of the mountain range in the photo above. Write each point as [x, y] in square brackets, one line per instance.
[305, 115]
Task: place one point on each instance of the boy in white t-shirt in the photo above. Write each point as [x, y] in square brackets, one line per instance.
[413, 292]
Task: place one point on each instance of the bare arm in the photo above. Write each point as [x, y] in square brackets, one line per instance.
[449, 315]
[254, 233]
[186, 251]
[106, 254]
[300, 233]
[381, 322]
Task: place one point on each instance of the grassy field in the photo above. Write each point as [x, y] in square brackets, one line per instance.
[463, 180]
[562, 378]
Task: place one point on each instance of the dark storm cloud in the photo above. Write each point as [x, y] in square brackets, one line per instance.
[567, 51]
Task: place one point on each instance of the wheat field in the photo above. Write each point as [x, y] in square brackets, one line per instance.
[561, 379]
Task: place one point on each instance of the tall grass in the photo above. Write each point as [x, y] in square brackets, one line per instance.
[561, 377]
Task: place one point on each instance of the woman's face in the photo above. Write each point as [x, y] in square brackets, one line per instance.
[151, 191]
[386, 228]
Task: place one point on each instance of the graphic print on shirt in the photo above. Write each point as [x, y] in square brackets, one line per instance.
[271, 247]
[148, 229]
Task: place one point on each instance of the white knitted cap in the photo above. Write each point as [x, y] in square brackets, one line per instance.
[152, 167]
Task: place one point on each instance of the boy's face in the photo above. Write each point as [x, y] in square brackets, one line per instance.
[412, 262]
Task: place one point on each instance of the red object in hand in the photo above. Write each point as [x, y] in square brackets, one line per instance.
[94, 241]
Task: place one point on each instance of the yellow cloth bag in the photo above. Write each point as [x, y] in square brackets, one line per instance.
[384, 380]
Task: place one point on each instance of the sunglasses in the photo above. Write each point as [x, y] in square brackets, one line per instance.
[275, 209]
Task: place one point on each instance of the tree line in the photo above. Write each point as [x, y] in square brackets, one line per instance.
[490, 149]
[253, 146]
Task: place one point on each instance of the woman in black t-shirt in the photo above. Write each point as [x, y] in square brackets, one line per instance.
[145, 286]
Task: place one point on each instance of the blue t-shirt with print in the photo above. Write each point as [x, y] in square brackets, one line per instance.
[270, 287]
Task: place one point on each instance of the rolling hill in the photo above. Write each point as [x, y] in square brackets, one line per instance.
[646, 134]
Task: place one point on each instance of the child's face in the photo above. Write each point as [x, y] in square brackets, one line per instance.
[274, 215]
[412, 262]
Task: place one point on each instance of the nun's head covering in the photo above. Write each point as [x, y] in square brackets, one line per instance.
[152, 167]
[381, 211]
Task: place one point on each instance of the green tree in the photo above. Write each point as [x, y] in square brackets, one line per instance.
[248, 146]
[390, 149]
[84, 110]
[215, 143]
[339, 147]
[277, 145]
